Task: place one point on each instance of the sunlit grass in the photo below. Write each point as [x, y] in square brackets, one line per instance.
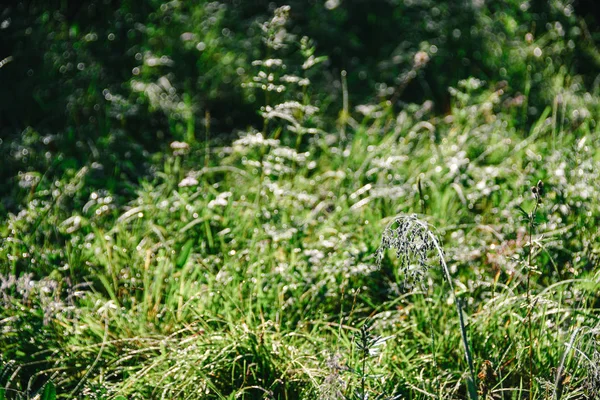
[246, 283]
[257, 269]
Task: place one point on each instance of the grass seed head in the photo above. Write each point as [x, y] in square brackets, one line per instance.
[413, 242]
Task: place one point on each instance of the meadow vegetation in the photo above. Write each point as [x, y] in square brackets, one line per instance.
[243, 200]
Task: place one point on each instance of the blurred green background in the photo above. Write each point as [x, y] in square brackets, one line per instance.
[110, 83]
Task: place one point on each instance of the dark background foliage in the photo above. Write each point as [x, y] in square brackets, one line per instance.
[77, 89]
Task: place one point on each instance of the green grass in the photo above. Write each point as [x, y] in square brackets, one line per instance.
[250, 270]
[246, 284]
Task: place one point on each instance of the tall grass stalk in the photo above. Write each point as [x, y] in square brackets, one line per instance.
[530, 217]
[413, 238]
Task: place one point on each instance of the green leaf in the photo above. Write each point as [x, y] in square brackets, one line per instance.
[119, 397]
[2, 396]
[49, 392]
[525, 214]
[185, 253]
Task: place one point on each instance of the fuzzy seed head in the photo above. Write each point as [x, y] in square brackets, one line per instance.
[413, 242]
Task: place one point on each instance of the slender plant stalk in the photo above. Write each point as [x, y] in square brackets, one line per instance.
[345, 112]
[537, 192]
[364, 375]
[404, 243]
[206, 138]
[529, 310]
